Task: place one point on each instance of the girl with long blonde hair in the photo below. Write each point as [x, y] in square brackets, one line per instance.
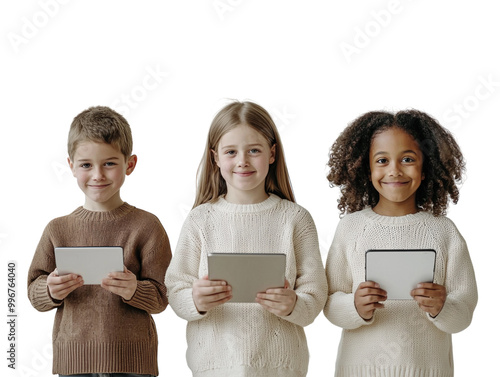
[245, 204]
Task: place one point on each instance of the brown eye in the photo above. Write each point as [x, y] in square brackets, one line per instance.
[408, 160]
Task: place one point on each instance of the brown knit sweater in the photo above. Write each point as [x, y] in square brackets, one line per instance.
[96, 331]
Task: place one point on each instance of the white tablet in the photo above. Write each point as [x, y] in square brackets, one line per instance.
[92, 263]
[399, 271]
[248, 273]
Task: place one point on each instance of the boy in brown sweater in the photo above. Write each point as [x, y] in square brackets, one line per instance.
[107, 328]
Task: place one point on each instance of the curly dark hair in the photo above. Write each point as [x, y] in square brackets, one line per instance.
[349, 161]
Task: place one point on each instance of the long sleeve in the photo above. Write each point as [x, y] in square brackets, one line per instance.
[42, 265]
[460, 283]
[310, 280]
[155, 256]
[183, 271]
[340, 308]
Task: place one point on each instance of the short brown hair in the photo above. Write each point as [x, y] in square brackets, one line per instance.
[102, 125]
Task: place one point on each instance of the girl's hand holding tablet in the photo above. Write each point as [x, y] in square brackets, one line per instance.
[430, 297]
[208, 294]
[367, 298]
[279, 301]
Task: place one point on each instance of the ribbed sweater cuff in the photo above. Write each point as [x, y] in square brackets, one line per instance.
[40, 297]
[190, 311]
[300, 315]
[342, 312]
[145, 298]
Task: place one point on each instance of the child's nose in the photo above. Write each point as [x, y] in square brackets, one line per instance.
[243, 160]
[395, 169]
[98, 173]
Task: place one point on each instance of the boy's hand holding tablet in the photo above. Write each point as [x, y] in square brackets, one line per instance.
[91, 265]
[123, 284]
[61, 286]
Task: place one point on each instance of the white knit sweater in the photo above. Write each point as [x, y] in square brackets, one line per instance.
[401, 339]
[237, 339]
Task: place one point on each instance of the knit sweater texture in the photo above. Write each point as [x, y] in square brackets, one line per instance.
[96, 331]
[401, 339]
[244, 339]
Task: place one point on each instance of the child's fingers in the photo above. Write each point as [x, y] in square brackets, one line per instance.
[429, 290]
[120, 283]
[215, 290]
[205, 287]
[279, 301]
[430, 297]
[208, 294]
[367, 299]
[54, 278]
[123, 284]
[204, 282]
[204, 303]
[121, 276]
[122, 288]
[368, 284]
[61, 286]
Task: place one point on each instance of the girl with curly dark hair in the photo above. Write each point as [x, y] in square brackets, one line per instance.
[396, 173]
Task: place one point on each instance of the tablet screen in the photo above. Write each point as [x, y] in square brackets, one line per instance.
[92, 263]
[399, 271]
[247, 273]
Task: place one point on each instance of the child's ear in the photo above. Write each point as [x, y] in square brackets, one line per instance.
[216, 157]
[131, 163]
[273, 154]
[71, 166]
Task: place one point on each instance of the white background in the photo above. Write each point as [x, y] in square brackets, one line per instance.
[169, 66]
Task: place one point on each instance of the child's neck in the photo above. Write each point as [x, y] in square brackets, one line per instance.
[239, 198]
[109, 205]
[395, 209]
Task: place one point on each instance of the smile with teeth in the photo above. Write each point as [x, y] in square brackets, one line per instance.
[395, 183]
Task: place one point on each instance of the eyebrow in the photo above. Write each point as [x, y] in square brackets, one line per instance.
[246, 146]
[106, 159]
[407, 151]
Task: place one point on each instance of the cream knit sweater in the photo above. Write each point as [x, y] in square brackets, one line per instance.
[401, 339]
[237, 339]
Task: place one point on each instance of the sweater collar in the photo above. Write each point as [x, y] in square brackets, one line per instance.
[396, 220]
[85, 214]
[226, 206]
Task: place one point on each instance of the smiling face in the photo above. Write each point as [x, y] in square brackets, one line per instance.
[100, 171]
[396, 163]
[243, 156]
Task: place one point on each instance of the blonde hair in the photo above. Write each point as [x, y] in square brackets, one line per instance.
[102, 125]
[210, 183]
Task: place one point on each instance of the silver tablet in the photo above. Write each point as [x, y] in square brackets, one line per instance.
[92, 263]
[248, 273]
[399, 271]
